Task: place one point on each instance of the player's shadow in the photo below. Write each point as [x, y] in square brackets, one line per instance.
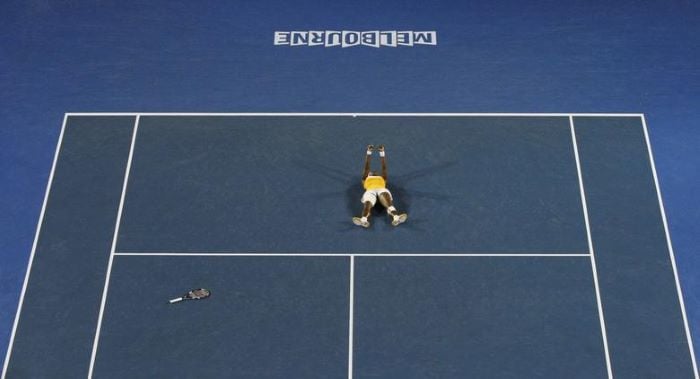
[350, 190]
[404, 195]
[346, 188]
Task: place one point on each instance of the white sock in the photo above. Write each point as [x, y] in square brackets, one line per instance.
[364, 219]
[391, 210]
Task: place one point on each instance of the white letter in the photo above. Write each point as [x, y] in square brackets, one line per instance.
[404, 38]
[299, 38]
[316, 37]
[425, 38]
[350, 38]
[281, 38]
[370, 38]
[388, 38]
[333, 38]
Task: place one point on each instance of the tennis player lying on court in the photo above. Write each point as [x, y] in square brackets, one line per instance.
[375, 188]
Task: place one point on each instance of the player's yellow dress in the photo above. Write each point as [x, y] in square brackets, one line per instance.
[374, 186]
[373, 182]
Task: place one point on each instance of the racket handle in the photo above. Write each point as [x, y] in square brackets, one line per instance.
[176, 300]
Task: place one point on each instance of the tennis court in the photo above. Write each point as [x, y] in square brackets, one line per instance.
[537, 245]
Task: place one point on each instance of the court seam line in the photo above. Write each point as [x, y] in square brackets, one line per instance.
[671, 254]
[354, 114]
[341, 255]
[40, 223]
[584, 205]
[351, 316]
[115, 237]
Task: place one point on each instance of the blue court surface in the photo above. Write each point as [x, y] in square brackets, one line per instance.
[536, 246]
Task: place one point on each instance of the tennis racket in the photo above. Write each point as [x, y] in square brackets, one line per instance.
[198, 294]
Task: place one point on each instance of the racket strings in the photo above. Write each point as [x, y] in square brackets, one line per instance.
[196, 294]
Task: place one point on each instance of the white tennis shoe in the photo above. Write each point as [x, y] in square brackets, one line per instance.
[399, 219]
[360, 222]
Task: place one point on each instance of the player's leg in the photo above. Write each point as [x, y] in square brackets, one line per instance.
[368, 200]
[387, 201]
[364, 219]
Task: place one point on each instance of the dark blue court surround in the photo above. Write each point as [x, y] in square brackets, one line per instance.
[492, 56]
[514, 291]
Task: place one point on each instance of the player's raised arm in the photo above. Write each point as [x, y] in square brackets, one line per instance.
[382, 157]
[368, 159]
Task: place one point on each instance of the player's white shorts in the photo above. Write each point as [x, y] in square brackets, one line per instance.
[372, 195]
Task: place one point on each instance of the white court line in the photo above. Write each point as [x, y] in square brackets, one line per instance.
[584, 205]
[351, 315]
[137, 114]
[113, 249]
[340, 255]
[350, 114]
[33, 252]
[670, 250]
